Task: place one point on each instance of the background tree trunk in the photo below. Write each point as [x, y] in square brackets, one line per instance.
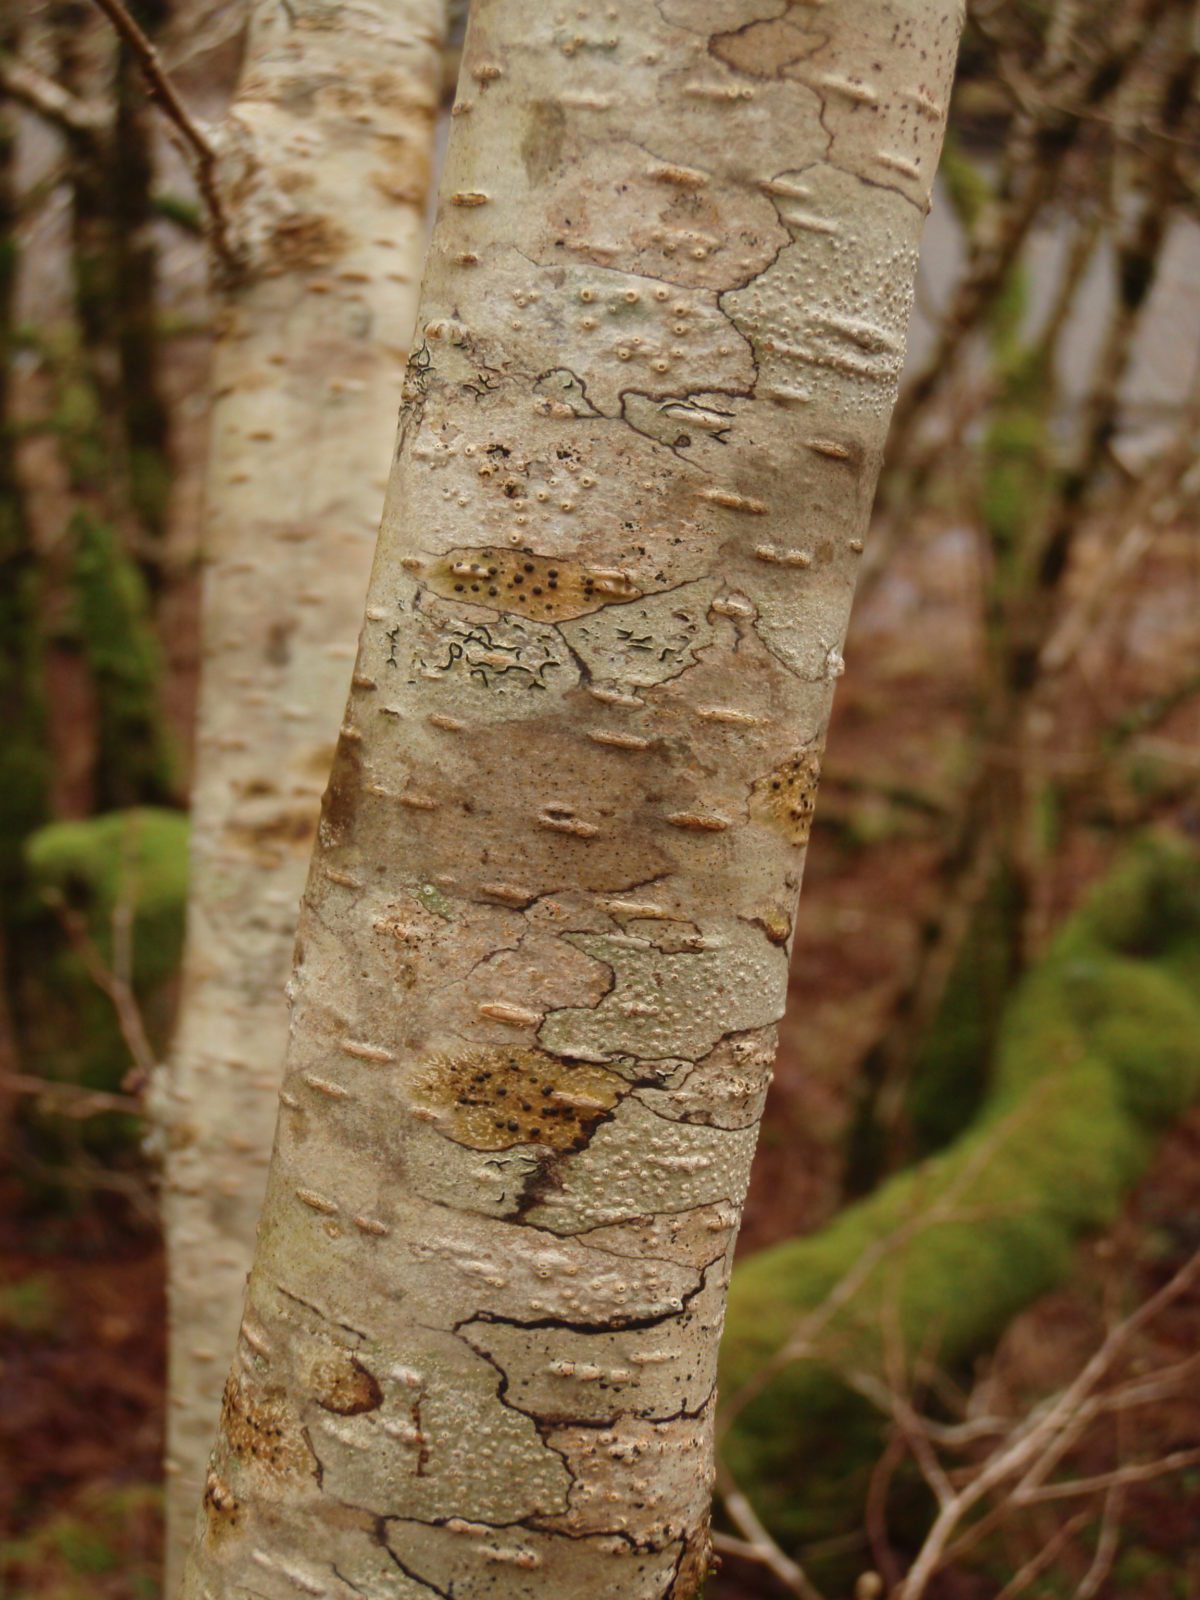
[327, 155]
[545, 940]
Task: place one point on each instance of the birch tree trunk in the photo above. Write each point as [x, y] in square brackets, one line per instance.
[327, 156]
[544, 944]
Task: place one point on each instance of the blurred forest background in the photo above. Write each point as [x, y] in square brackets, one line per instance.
[1020, 721]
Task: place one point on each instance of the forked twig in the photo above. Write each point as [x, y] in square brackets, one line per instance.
[1034, 1448]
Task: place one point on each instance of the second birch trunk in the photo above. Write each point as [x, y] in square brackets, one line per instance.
[326, 156]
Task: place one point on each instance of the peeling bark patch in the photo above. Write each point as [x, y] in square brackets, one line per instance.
[543, 588]
[786, 798]
[695, 1564]
[664, 1005]
[340, 805]
[648, 642]
[494, 1099]
[775, 923]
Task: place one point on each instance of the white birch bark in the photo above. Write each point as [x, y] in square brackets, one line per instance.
[545, 938]
[326, 156]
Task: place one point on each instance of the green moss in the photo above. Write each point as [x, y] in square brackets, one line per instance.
[1014, 459]
[77, 417]
[150, 480]
[126, 859]
[182, 210]
[136, 858]
[1137, 1568]
[432, 898]
[1148, 905]
[105, 1543]
[31, 1306]
[24, 758]
[952, 1069]
[136, 761]
[1099, 1048]
[1006, 319]
[965, 185]
[83, 1548]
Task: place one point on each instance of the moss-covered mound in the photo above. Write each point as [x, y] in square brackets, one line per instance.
[136, 858]
[120, 879]
[1099, 1050]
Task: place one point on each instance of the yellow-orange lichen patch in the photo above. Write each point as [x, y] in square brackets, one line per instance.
[786, 797]
[260, 1427]
[491, 1099]
[340, 1383]
[221, 1509]
[775, 923]
[543, 588]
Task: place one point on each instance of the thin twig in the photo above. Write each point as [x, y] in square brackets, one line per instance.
[726, 1544]
[1108, 1540]
[81, 1101]
[83, 1173]
[1037, 1564]
[759, 1542]
[36, 92]
[875, 1511]
[1132, 1472]
[1106, 1547]
[118, 989]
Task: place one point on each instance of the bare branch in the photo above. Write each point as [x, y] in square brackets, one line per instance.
[204, 155]
[945, 1208]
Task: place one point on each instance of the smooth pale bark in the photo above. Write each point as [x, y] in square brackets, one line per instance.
[545, 938]
[326, 158]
